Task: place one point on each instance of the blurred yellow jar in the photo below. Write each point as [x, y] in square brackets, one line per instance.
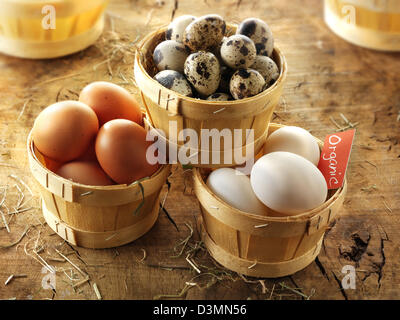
[373, 24]
[49, 28]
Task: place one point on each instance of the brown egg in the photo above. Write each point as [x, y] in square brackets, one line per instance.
[84, 172]
[121, 150]
[50, 164]
[64, 130]
[110, 102]
[90, 153]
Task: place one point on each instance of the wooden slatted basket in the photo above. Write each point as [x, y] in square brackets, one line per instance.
[373, 24]
[164, 105]
[97, 216]
[262, 246]
[78, 24]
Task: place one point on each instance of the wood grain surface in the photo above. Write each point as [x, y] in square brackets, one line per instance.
[327, 77]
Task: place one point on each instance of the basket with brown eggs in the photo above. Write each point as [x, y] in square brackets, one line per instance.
[89, 158]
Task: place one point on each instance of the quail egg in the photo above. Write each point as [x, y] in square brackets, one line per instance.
[177, 27]
[202, 69]
[267, 68]
[246, 83]
[170, 55]
[219, 96]
[175, 81]
[238, 51]
[217, 50]
[204, 33]
[226, 75]
[258, 31]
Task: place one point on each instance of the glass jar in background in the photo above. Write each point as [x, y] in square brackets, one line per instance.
[49, 28]
[373, 24]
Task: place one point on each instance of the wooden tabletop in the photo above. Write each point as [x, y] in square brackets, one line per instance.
[327, 78]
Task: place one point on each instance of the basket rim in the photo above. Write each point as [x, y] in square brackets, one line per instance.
[116, 187]
[294, 218]
[139, 59]
[164, 138]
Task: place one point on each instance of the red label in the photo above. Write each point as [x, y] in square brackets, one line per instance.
[335, 157]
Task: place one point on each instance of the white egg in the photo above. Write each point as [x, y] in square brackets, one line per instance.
[234, 188]
[293, 139]
[288, 183]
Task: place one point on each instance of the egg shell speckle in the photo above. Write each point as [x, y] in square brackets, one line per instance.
[219, 96]
[238, 51]
[226, 75]
[205, 32]
[202, 70]
[258, 31]
[170, 55]
[267, 68]
[177, 27]
[175, 81]
[217, 50]
[246, 83]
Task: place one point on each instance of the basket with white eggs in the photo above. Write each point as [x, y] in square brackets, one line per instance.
[269, 223]
[202, 73]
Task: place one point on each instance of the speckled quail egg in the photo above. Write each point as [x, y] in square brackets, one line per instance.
[204, 33]
[219, 96]
[202, 69]
[246, 83]
[170, 55]
[217, 50]
[267, 68]
[258, 31]
[238, 51]
[177, 27]
[226, 75]
[175, 81]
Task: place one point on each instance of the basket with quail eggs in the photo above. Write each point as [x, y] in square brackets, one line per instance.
[202, 73]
